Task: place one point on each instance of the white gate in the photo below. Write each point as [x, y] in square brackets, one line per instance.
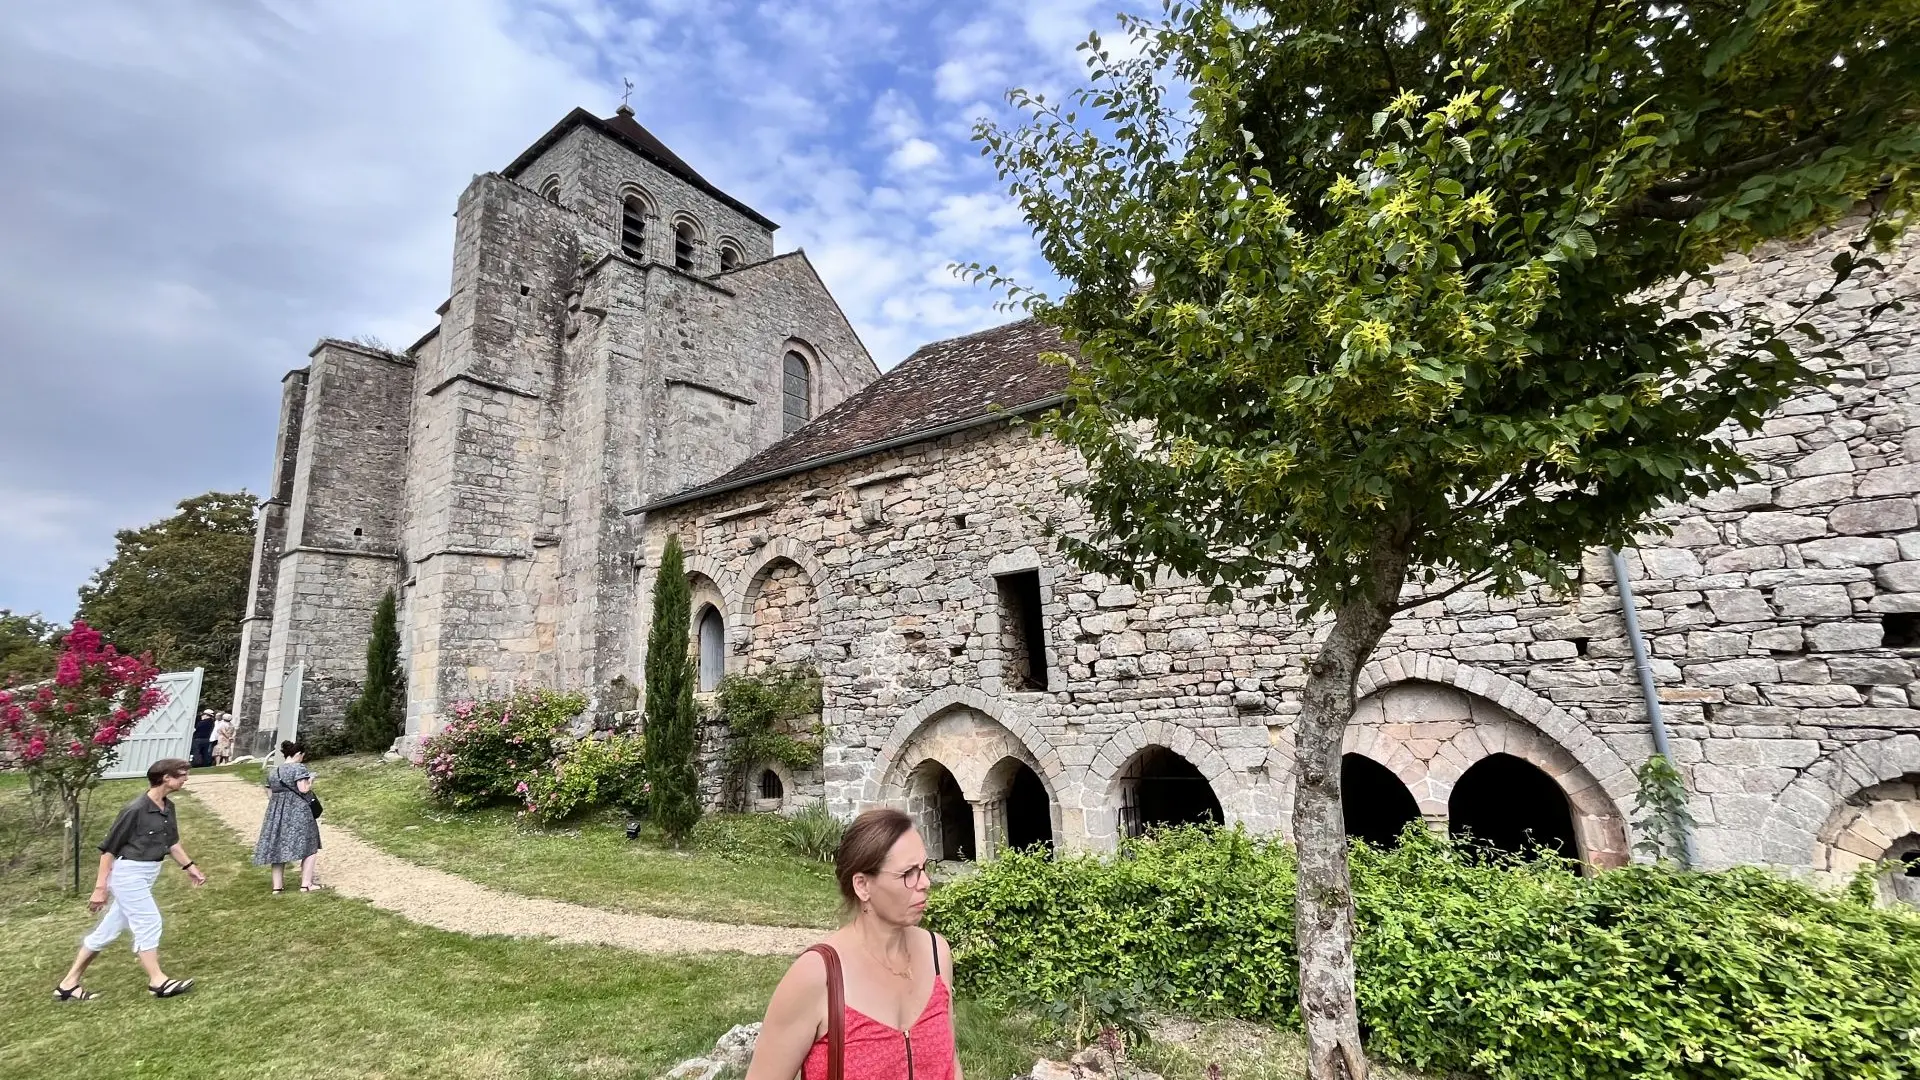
[163, 733]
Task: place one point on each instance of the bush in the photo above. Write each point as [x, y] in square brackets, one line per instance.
[771, 716]
[493, 747]
[1507, 970]
[814, 833]
[588, 774]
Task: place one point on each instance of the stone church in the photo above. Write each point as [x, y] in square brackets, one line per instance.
[622, 357]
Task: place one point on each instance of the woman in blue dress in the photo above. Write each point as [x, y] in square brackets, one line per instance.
[289, 833]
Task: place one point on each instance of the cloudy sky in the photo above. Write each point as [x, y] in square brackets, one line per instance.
[199, 189]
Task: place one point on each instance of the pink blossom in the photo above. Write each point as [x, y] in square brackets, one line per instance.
[78, 749]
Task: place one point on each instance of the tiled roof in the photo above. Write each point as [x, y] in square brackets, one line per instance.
[941, 385]
[624, 129]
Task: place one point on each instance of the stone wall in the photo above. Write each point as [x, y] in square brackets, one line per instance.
[783, 617]
[269, 542]
[1776, 614]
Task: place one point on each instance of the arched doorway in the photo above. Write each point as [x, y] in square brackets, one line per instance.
[1376, 804]
[941, 813]
[1029, 811]
[1159, 787]
[1510, 806]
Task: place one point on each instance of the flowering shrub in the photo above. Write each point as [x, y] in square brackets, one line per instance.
[588, 774]
[65, 732]
[493, 751]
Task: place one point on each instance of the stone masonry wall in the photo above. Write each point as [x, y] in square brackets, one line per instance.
[269, 542]
[1775, 613]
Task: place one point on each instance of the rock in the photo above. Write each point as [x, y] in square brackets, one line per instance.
[1880, 515]
[1778, 528]
[734, 1049]
[1825, 461]
[1093, 1063]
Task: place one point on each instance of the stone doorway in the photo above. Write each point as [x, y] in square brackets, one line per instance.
[1029, 811]
[941, 813]
[1374, 801]
[1510, 806]
[1159, 787]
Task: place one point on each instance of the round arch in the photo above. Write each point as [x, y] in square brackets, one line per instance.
[773, 551]
[1790, 833]
[1045, 757]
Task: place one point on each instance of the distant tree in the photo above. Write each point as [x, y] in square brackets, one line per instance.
[379, 714]
[1376, 300]
[178, 589]
[29, 648]
[673, 776]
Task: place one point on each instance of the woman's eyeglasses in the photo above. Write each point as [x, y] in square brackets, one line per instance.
[908, 876]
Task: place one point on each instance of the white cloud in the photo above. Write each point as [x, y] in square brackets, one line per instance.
[913, 154]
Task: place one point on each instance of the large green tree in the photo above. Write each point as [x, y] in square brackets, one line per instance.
[672, 723]
[1375, 300]
[178, 589]
[29, 647]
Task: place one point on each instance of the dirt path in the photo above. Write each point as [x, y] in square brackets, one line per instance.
[436, 898]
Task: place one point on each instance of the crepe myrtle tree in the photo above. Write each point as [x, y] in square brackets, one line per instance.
[1372, 301]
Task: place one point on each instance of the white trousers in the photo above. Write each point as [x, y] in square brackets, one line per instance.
[130, 884]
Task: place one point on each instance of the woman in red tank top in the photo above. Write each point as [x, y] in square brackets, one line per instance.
[885, 980]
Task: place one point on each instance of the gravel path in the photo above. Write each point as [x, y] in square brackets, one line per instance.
[425, 895]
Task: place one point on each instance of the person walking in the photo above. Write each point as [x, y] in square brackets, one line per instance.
[289, 833]
[223, 739]
[874, 1000]
[202, 751]
[131, 856]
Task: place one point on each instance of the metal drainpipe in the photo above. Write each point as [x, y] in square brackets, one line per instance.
[1647, 692]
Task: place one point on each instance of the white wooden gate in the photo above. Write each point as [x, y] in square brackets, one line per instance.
[163, 733]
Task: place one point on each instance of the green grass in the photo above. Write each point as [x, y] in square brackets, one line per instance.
[324, 986]
[735, 868]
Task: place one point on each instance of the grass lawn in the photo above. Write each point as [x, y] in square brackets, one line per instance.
[736, 868]
[323, 986]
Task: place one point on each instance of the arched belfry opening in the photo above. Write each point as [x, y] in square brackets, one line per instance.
[1510, 806]
[941, 813]
[1159, 788]
[1376, 804]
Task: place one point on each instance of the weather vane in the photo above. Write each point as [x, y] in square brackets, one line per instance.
[628, 94]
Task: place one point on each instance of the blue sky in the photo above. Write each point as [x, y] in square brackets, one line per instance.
[200, 189]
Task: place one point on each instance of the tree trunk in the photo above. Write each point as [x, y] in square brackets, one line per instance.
[1323, 906]
[70, 856]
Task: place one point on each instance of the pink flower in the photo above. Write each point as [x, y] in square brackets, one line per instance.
[78, 749]
[520, 788]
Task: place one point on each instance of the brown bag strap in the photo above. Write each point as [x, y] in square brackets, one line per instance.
[836, 1013]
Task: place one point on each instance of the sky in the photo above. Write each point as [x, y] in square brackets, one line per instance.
[199, 190]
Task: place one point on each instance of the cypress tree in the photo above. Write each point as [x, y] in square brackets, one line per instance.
[378, 716]
[674, 799]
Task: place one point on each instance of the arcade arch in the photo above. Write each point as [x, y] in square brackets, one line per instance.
[972, 786]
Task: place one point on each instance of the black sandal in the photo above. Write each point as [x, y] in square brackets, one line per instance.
[171, 988]
[78, 993]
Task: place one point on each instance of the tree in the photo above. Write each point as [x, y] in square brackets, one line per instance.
[673, 776]
[29, 647]
[65, 732]
[1391, 303]
[379, 714]
[178, 589]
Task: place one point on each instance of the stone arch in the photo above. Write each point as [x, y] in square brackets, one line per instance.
[1045, 757]
[1429, 731]
[1097, 798]
[974, 748]
[1021, 807]
[757, 798]
[634, 207]
[550, 189]
[732, 253]
[1608, 769]
[1790, 834]
[780, 609]
[1375, 802]
[688, 237]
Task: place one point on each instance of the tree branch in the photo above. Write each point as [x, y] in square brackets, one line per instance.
[1428, 598]
[1739, 170]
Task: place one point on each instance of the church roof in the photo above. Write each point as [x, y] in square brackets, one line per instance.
[622, 128]
[943, 387]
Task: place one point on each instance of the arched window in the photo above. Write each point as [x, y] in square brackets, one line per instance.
[550, 190]
[633, 227]
[796, 394]
[683, 239]
[713, 646]
[770, 786]
[730, 257]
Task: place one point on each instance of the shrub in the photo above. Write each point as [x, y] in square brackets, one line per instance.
[771, 716]
[1504, 970]
[379, 714]
[588, 774]
[492, 747]
[814, 833]
[673, 774]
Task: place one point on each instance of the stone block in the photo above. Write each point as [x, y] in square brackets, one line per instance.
[1708, 644]
[1742, 560]
[1777, 753]
[1827, 460]
[1838, 551]
[1732, 672]
[1899, 576]
[1812, 600]
[1739, 605]
[1671, 563]
[1742, 497]
[1802, 694]
[1893, 480]
[1552, 650]
[1780, 528]
[1844, 637]
[1118, 596]
[1877, 516]
[1890, 603]
[1815, 491]
[1780, 639]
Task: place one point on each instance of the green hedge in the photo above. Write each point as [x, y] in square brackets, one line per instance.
[1505, 971]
